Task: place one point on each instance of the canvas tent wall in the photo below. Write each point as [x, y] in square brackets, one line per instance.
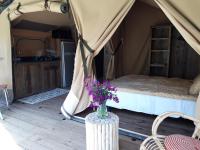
[96, 21]
[135, 32]
[9, 14]
[44, 22]
[95, 28]
[179, 12]
[46, 17]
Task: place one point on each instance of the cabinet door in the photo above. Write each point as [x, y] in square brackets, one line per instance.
[184, 62]
[21, 82]
[45, 77]
[35, 78]
[50, 76]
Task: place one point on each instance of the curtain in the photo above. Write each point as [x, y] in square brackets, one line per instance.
[110, 52]
[18, 8]
[184, 15]
[96, 21]
[197, 113]
[5, 52]
[110, 65]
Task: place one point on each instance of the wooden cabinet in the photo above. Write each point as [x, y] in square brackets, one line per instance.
[184, 61]
[21, 80]
[28, 43]
[160, 50]
[50, 75]
[171, 55]
[36, 77]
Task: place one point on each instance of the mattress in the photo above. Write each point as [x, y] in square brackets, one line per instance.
[154, 105]
[174, 88]
[154, 95]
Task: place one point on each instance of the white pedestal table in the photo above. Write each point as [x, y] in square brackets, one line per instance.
[102, 134]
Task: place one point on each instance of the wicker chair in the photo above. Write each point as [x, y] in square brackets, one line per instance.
[156, 142]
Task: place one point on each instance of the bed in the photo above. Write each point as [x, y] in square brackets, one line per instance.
[154, 95]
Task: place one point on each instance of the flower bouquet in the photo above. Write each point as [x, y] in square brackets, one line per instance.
[100, 93]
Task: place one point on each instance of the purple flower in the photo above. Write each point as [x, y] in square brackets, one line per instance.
[116, 99]
[100, 92]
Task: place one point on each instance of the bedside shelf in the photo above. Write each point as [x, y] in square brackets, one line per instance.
[159, 38]
[160, 50]
[157, 65]
[164, 50]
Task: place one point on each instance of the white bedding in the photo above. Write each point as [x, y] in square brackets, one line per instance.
[154, 95]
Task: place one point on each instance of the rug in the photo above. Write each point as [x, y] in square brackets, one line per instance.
[44, 96]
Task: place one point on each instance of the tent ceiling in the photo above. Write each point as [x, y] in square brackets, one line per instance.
[151, 3]
[4, 4]
[29, 25]
[45, 17]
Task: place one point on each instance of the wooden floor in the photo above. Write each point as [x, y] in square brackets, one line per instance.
[142, 123]
[43, 127]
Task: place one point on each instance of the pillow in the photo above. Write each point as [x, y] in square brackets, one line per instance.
[195, 87]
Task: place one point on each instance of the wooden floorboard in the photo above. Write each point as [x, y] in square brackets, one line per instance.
[43, 127]
[142, 123]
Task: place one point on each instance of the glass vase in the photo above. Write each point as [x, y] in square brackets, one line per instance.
[102, 111]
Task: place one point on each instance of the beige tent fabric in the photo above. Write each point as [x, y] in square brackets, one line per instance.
[96, 21]
[112, 48]
[184, 15]
[198, 108]
[134, 56]
[34, 7]
[5, 52]
[110, 68]
[5, 38]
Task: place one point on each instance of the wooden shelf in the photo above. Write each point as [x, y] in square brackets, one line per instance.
[157, 65]
[160, 39]
[160, 50]
[161, 27]
[164, 50]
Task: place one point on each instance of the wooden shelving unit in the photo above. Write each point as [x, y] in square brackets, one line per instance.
[160, 50]
[159, 38]
[163, 50]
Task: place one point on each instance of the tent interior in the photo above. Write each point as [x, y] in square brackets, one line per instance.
[152, 62]
[40, 41]
[147, 59]
[43, 49]
[152, 66]
[140, 32]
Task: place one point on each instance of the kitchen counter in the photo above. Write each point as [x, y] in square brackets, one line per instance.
[32, 77]
[35, 59]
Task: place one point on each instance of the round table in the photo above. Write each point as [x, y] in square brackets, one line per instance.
[102, 134]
